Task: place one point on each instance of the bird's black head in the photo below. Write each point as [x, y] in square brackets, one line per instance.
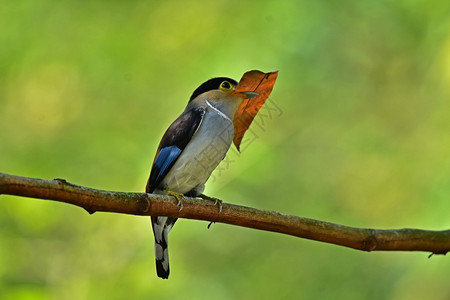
[214, 84]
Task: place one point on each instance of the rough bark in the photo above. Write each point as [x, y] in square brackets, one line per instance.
[93, 200]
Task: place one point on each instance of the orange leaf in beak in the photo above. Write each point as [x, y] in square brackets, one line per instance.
[252, 81]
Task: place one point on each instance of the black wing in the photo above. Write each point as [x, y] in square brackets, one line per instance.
[176, 138]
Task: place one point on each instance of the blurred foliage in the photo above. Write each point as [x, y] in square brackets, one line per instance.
[359, 134]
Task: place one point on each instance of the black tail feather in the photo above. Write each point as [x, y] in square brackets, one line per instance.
[161, 228]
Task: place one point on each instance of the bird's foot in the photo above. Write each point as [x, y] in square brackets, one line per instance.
[216, 201]
[177, 196]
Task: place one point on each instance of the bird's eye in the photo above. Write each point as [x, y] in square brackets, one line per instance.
[225, 85]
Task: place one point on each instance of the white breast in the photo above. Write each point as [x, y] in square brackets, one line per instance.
[203, 153]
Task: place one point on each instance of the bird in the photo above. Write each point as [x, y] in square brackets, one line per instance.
[189, 151]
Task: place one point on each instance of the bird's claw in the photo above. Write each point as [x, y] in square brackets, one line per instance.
[180, 204]
[219, 202]
[216, 201]
[177, 196]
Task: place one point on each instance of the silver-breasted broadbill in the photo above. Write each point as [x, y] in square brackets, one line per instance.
[218, 113]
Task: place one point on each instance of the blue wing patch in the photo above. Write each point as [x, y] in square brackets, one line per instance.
[173, 143]
[166, 157]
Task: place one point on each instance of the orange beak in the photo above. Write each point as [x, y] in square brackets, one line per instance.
[256, 87]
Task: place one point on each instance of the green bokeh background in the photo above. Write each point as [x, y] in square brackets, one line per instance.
[360, 136]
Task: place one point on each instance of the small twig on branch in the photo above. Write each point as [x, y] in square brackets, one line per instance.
[92, 200]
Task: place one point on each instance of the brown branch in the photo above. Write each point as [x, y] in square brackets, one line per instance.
[92, 200]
